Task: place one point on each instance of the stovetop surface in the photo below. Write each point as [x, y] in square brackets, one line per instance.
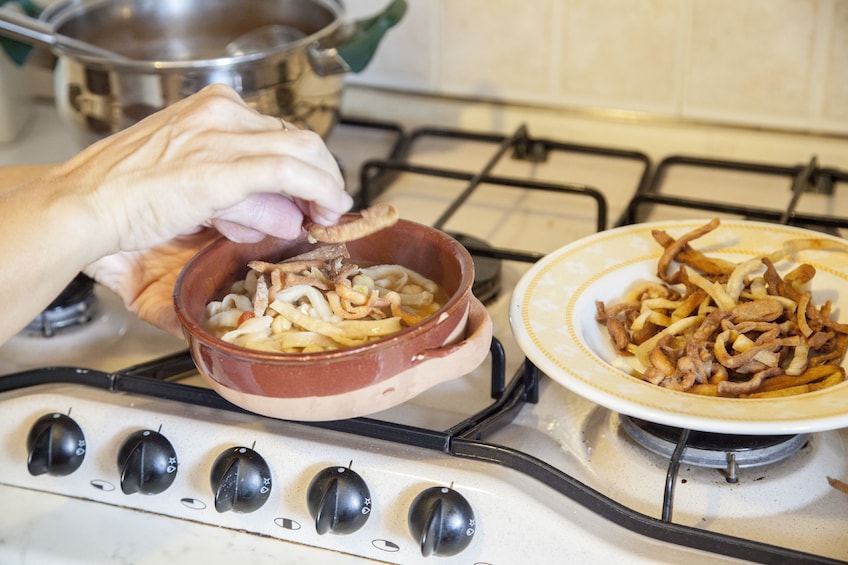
[563, 473]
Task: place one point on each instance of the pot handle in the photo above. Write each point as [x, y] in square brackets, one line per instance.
[27, 29]
[358, 44]
[478, 335]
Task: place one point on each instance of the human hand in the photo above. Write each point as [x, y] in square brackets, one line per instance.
[207, 160]
[145, 279]
[130, 209]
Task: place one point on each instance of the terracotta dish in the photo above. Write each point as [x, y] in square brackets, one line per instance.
[349, 382]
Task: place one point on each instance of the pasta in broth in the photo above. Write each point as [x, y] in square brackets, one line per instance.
[318, 301]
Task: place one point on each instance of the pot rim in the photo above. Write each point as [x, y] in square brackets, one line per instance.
[194, 329]
[60, 13]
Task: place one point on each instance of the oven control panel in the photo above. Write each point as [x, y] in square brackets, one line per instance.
[270, 478]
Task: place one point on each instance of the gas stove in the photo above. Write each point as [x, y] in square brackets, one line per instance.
[497, 466]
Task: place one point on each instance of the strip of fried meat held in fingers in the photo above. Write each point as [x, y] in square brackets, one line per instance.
[729, 329]
[371, 220]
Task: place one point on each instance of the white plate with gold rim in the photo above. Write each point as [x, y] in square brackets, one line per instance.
[552, 314]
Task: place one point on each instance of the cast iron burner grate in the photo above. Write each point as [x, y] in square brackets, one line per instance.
[801, 180]
[467, 439]
[714, 450]
[487, 270]
[75, 306]
[376, 177]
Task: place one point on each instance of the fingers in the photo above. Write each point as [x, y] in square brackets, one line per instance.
[306, 156]
[216, 107]
[320, 214]
[237, 232]
[298, 167]
[306, 146]
[209, 158]
[272, 155]
[308, 172]
[260, 214]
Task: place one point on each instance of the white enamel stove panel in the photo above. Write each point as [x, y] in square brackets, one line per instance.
[515, 517]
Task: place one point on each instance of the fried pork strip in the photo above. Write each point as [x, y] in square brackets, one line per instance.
[737, 329]
[324, 268]
[372, 220]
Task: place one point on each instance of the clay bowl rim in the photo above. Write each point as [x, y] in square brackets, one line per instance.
[195, 330]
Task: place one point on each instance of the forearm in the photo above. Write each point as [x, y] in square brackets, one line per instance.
[125, 202]
[46, 237]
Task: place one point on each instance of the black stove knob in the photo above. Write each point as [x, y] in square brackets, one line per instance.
[56, 445]
[442, 521]
[241, 480]
[147, 463]
[339, 500]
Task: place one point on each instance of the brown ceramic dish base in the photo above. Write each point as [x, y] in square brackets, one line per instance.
[437, 366]
[288, 380]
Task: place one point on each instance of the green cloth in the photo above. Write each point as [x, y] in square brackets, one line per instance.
[16, 50]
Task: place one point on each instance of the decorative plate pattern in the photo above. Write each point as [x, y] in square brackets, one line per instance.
[552, 314]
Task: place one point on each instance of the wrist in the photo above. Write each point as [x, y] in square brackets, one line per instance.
[66, 216]
[47, 236]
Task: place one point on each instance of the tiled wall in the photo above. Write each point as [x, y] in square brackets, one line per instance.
[764, 63]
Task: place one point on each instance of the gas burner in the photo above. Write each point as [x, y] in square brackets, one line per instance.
[714, 450]
[93, 338]
[74, 306]
[487, 270]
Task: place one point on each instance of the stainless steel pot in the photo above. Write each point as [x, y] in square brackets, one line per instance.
[175, 48]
